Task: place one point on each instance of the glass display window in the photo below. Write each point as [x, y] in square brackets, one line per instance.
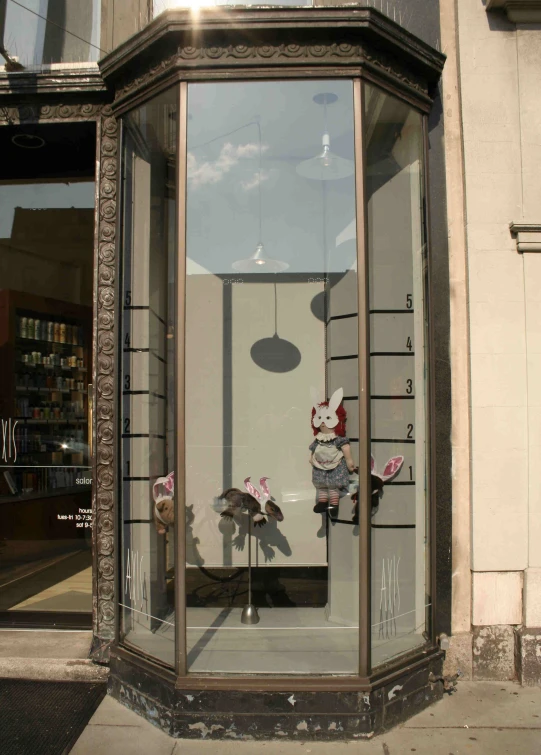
[275, 444]
[147, 434]
[265, 270]
[397, 253]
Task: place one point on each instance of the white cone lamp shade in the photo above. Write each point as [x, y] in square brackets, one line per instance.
[259, 263]
[326, 166]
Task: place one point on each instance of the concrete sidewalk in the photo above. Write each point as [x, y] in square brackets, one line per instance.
[480, 718]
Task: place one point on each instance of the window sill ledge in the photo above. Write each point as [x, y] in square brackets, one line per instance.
[527, 235]
[518, 11]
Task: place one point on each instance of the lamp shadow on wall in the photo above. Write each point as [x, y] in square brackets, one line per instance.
[275, 354]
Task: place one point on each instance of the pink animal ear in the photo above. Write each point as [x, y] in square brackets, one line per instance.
[169, 483]
[265, 487]
[253, 491]
[392, 468]
[372, 464]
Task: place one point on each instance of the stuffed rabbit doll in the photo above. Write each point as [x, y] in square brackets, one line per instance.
[330, 453]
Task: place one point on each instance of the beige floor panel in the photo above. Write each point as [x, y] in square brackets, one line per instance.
[286, 641]
[72, 594]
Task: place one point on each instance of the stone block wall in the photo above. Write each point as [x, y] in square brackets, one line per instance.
[492, 106]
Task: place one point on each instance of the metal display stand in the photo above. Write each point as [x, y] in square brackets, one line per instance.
[249, 612]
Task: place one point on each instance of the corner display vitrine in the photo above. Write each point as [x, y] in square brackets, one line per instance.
[274, 438]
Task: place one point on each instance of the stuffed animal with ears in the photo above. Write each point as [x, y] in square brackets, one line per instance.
[234, 501]
[163, 492]
[330, 452]
[391, 470]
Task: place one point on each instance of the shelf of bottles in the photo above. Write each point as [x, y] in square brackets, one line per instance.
[50, 403]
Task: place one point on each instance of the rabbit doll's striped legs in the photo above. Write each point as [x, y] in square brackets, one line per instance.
[322, 495]
[334, 497]
[322, 500]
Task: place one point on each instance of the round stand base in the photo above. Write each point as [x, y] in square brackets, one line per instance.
[249, 615]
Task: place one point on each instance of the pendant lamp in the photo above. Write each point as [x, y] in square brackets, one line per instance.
[326, 166]
[259, 262]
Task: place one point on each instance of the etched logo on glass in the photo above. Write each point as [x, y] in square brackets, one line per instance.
[9, 446]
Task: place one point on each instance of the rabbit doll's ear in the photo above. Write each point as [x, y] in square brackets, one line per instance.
[316, 401]
[392, 468]
[250, 488]
[336, 399]
[372, 465]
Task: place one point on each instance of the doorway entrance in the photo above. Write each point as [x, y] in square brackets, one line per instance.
[47, 198]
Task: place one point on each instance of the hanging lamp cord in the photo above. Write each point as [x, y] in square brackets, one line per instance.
[259, 180]
[275, 311]
[234, 131]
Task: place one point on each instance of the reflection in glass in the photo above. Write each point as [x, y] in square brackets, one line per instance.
[248, 395]
[37, 32]
[398, 341]
[147, 345]
[158, 6]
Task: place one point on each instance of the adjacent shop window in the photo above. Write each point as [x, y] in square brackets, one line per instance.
[47, 197]
[398, 364]
[271, 332]
[147, 378]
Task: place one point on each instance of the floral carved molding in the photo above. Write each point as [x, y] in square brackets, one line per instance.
[105, 256]
[189, 58]
[49, 113]
[261, 41]
[104, 377]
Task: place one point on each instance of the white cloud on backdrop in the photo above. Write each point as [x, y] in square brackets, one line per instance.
[253, 182]
[212, 172]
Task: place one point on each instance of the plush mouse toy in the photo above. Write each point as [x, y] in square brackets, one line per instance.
[234, 501]
[163, 492]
